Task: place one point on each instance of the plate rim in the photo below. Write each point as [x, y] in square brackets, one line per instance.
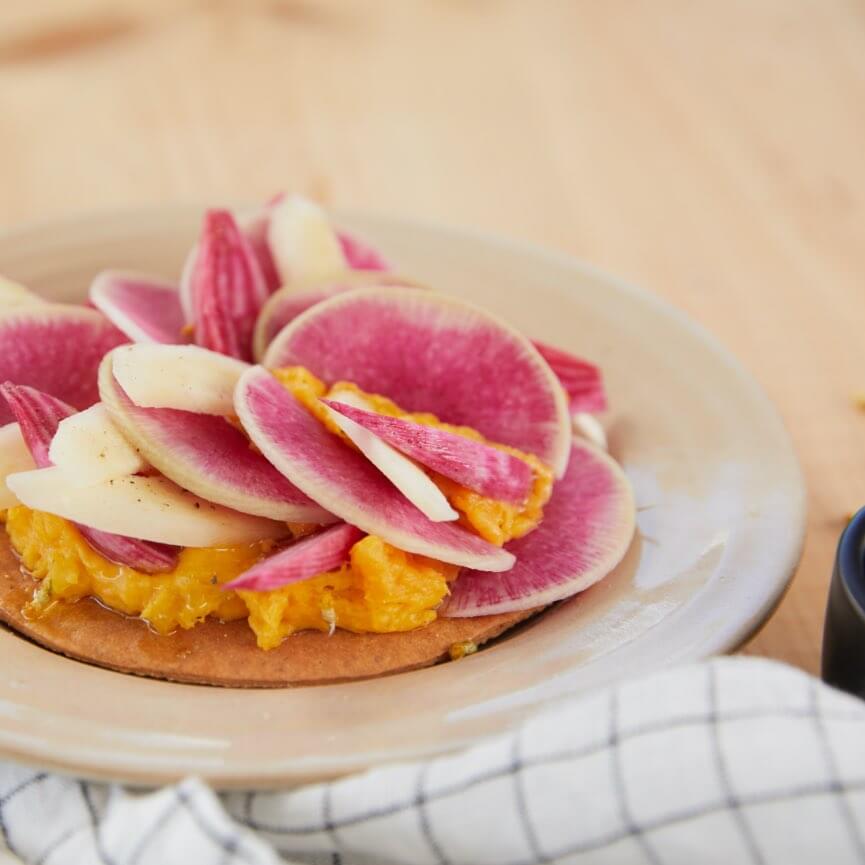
[723, 640]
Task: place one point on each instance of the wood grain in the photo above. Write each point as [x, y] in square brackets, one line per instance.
[711, 152]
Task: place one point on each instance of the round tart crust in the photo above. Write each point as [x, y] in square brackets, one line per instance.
[226, 654]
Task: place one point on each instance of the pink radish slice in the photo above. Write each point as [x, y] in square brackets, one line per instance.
[342, 480]
[208, 456]
[288, 303]
[587, 528]
[580, 379]
[145, 308]
[56, 349]
[405, 474]
[256, 232]
[38, 415]
[254, 226]
[482, 468]
[283, 307]
[434, 353]
[149, 557]
[317, 554]
[360, 255]
[227, 286]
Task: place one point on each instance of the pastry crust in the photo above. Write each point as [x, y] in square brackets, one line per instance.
[226, 654]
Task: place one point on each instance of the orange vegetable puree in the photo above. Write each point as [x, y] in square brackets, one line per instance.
[380, 589]
[495, 521]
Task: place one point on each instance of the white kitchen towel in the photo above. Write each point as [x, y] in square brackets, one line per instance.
[732, 761]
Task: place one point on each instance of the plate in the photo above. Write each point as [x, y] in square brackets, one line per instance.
[721, 523]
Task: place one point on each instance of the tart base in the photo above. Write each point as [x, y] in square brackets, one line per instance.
[226, 654]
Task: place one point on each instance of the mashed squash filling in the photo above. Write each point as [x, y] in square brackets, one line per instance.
[380, 589]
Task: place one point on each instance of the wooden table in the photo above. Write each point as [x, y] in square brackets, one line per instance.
[711, 152]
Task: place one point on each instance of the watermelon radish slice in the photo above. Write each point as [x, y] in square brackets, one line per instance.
[56, 349]
[15, 456]
[344, 481]
[152, 507]
[359, 255]
[39, 416]
[207, 455]
[404, 474]
[150, 557]
[90, 449]
[178, 376]
[580, 379]
[487, 470]
[587, 528]
[145, 308]
[302, 241]
[318, 554]
[227, 287]
[434, 353]
[255, 229]
[14, 294]
[289, 302]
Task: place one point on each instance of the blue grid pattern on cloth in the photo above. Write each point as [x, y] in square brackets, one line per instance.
[732, 761]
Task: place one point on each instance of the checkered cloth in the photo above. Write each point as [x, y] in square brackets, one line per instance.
[733, 761]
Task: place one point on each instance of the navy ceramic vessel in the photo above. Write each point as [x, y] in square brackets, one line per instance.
[844, 631]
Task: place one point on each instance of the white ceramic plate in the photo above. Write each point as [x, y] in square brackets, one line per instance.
[721, 522]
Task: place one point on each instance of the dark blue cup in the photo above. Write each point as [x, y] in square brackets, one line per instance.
[844, 630]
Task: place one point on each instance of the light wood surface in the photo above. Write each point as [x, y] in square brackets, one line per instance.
[709, 151]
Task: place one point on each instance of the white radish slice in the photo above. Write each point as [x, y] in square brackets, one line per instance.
[14, 457]
[14, 294]
[402, 472]
[39, 416]
[588, 427]
[90, 448]
[149, 508]
[146, 308]
[182, 377]
[349, 396]
[302, 241]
